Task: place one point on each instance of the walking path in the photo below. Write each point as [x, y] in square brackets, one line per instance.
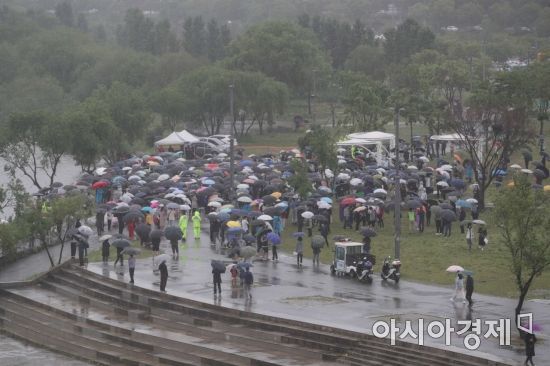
[312, 294]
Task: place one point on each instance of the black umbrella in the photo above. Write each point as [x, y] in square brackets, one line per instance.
[446, 206]
[321, 218]
[272, 211]
[249, 238]
[133, 216]
[317, 241]
[447, 215]
[339, 237]
[173, 233]
[121, 210]
[539, 173]
[368, 232]
[269, 200]
[156, 234]
[413, 204]
[143, 230]
[218, 266]
[121, 243]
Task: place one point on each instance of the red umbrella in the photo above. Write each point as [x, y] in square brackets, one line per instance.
[212, 166]
[347, 201]
[100, 184]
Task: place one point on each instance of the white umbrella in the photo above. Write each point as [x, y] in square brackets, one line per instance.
[343, 176]
[471, 200]
[355, 181]
[412, 167]
[105, 237]
[244, 199]
[424, 159]
[307, 214]
[163, 177]
[380, 190]
[515, 166]
[161, 258]
[479, 222]
[265, 218]
[243, 186]
[85, 230]
[446, 167]
[222, 155]
[185, 207]
[360, 200]
[323, 205]
[100, 171]
[328, 173]
[455, 268]
[527, 171]
[359, 209]
[442, 183]
[214, 204]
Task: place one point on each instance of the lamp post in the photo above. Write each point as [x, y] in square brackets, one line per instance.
[232, 143]
[397, 185]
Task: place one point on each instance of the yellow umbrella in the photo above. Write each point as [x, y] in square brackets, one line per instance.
[233, 224]
[511, 184]
[547, 188]
[277, 194]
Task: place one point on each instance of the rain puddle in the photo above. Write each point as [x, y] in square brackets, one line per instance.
[312, 300]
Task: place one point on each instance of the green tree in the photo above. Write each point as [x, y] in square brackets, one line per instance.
[522, 216]
[206, 97]
[137, 31]
[64, 13]
[369, 60]
[194, 36]
[282, 50]
[407, 39]
[322, 143]
[34, 143]
[299, 180]
[168, 102]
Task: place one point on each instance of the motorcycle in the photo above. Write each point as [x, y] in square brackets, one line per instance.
[364, 270]
[391, 269]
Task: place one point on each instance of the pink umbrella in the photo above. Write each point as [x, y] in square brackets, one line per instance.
[455, 268]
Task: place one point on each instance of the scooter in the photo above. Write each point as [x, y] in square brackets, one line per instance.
[391, 269]
[364, 270]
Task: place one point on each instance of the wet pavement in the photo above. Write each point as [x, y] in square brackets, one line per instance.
[311, 294]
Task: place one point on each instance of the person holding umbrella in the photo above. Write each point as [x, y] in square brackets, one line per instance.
[217, 277]
[530, 340]
[131, 267]
[163, 275]
[317, 242]
[119, 256]
[299, 250]
[469, 236]
[248, 281]
[105, 250]
[459, 288]
[197, 224]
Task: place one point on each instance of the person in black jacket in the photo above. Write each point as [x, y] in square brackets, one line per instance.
[469, 289]
[217, 279]
[530, 340]
[105, 249]
[163, 276]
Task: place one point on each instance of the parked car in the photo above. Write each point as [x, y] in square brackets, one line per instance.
[202, 148]
[216, 142]
[225, 138]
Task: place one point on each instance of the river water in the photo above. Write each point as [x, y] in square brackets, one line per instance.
[67, 172]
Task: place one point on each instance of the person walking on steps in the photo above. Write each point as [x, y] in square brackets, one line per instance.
[131, 267]
[299, 251]
[197, 224]
[469, 289]
[248, 281]
[217, 280]
[163, 275]
[119, 256]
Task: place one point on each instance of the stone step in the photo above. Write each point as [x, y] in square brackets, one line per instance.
[64, 346]
[221, 315]
[423, 356]
[209, 354]
[227, 314]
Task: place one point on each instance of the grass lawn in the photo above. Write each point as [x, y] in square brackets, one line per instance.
[95, 255]
[425, 256]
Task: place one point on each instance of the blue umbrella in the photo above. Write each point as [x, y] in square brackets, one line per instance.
[298, 234]
[146, 209]
[223, 216]
[239, 212]
[208, 182]
[234, 230]
[326, 199]
[246, 163]
[244, 265]
[463, 203]
[274, 238]
[458, 183]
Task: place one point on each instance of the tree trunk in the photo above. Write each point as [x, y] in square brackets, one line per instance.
[45, 245]
[522, 295]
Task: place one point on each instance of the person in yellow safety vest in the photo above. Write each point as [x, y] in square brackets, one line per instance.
[353, 151]
[45, 208]
[197, 224]
[184, 220]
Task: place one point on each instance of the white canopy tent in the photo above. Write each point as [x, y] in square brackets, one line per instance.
[177, 138]
[449, 137]
[379, 143]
